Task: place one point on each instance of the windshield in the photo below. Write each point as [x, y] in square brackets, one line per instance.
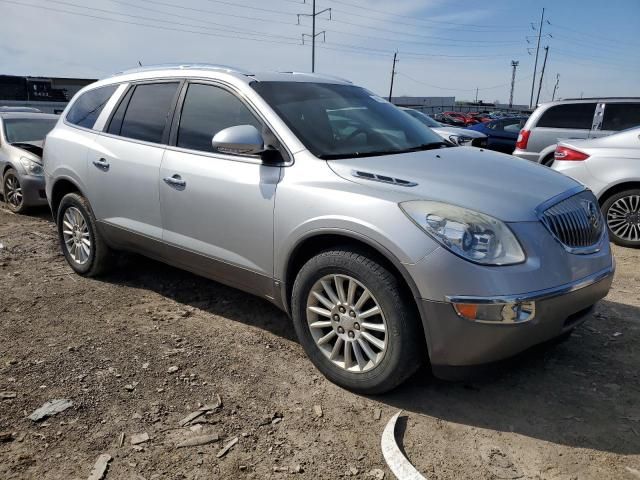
[342, 121]
[424, 118]
[23, 130]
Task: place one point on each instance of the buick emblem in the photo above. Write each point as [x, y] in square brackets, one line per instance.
[593, 213]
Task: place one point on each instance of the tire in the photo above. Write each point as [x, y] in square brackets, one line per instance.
[548, 160]
[12, 192]
[403, 348]
[96, 258]
[620, 209]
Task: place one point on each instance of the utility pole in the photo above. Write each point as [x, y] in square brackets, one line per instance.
[544, 64]
[476, 95]
[393, 74]
[555, 87]
[313, 31]
[535, 66]
[514, 64]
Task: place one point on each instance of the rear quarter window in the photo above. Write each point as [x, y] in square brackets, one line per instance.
[620, 116]
[574, 115]
[87, 108]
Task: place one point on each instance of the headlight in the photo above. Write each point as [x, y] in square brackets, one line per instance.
[471, 235]
[460, 140]
[32, 168]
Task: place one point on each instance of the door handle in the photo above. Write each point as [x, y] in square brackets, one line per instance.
[102, 164]
[175, 181]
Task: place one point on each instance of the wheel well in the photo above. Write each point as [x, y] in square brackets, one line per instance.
[316, 244]
[60, 189]
[7, 167]
[617, 189]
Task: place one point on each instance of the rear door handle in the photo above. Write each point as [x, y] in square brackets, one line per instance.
[102, 164]
[175, 181]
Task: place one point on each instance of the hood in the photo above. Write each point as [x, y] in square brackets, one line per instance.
[33, 147]
[496, 184]
[446, 131]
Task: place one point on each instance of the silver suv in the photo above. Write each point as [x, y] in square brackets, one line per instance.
[386, 246]
[574, 119]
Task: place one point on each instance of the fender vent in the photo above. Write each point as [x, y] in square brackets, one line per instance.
[383, 178]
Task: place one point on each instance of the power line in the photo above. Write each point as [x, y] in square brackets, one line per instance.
[459, 89]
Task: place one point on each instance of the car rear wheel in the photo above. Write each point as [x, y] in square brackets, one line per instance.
[85, 251]
[355, 323]
[12, 191]
[622, 213]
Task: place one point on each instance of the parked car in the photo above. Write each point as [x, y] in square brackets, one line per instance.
[457, 136]
[501, 134]
[460, 117]
[574, 118]
[610, 167]
[386, 246]
[21, 136]
[453, 120]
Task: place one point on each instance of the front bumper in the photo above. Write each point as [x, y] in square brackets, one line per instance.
[33, 189]
[456, 342]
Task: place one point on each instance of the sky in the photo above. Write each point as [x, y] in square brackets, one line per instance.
[445, 47]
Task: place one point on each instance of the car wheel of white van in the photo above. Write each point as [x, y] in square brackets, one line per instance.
[622, 213]
[355, 322]
[12, 192]
[81, 244]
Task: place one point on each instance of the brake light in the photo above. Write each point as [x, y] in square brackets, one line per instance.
[565, 153]
[523, 139]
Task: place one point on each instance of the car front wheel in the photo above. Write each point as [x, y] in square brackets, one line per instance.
[355, 322]
[12, 191]
[622, 212]
[85, 251]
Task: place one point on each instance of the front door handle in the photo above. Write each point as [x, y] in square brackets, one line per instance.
[102, 164]
[176, 181]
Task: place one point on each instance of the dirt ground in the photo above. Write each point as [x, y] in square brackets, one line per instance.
[564, 411]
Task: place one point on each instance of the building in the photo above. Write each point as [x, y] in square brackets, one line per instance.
[426, 104]
[48, 94]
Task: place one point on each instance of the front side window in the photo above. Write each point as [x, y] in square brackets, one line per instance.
[208, 109]
[573, 115]
[87, 108]
[620, 116]
[342, 121]
[144, 113]
[25, 130]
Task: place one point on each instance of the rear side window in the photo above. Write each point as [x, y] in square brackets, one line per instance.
[87, 108]
[207, 110]
[573, 115]
[143, 114]
[620, 116]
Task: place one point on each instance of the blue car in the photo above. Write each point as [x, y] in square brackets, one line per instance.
[502, 133]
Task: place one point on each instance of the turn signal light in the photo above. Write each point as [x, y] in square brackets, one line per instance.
[504, 313]
[566, 153]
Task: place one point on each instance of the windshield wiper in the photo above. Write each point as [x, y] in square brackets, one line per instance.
[375, 153]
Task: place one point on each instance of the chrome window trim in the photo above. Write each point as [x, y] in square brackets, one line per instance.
[540, 294]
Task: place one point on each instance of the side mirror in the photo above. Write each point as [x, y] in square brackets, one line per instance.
[239, 140]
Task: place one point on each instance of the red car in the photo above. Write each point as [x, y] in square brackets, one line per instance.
[464, 118]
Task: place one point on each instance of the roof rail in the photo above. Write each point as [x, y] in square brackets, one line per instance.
[600, 98]
[321, 75]
[185, 66]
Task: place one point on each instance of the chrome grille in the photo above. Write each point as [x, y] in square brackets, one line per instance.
[576, 222]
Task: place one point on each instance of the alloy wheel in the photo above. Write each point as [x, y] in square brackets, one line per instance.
[623, 218]
[347, 323]
[13, 191]
[77, 238]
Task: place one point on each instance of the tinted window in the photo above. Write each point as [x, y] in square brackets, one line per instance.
[146, 113]
[86, 109]
[576, 115]
[206, 111]
[620, 116]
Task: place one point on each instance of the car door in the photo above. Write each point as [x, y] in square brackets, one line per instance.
[217, 209]
[124, 167]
